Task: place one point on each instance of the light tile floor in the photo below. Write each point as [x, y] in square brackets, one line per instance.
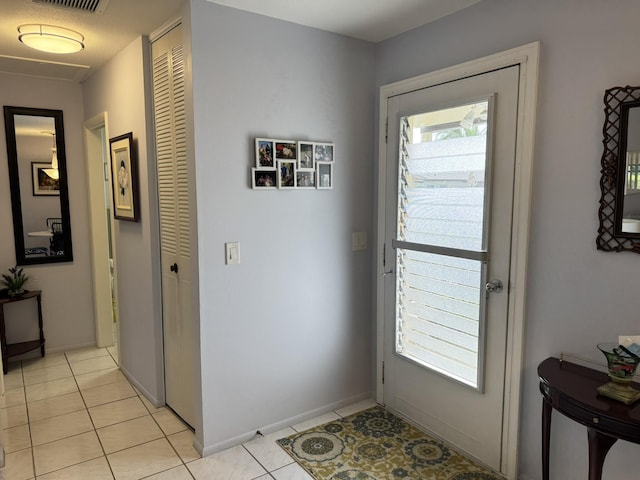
[74, 415]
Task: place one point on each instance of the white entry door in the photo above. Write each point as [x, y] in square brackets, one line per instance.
[450, 186]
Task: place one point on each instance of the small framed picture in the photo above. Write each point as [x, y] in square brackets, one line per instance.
[305, 179]
[124, 177]
[264, 153]
[324, 172]
[286, 174]
[264, 178]
[45, 179]
[305, 156]
[286, 150]
[323, 152]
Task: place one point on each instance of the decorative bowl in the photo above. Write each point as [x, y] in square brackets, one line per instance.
[622, 367]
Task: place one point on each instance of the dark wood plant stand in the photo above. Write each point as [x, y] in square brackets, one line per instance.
[571, 390]
[13, 349]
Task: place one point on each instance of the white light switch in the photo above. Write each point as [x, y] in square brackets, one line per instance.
[232, 253]
[358, 241]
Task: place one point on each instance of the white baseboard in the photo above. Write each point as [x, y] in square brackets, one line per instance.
[68, 348]
[274, 427]
[155, 401]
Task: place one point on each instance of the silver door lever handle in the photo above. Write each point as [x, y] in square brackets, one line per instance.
[494, 286]
[387, 273]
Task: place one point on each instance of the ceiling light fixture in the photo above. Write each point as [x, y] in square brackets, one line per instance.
[48, 38]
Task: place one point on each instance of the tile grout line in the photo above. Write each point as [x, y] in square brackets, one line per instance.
[29, 422]
[269, 472]
[95, 430]
[165, 435]
[256, 460]
[90, 419]
[26, 407]
[17, 405]
[150, 414]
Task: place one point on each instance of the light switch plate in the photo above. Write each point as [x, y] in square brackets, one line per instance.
[232, 253]
[358, 241]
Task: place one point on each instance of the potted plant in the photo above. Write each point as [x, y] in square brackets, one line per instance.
[15, 281]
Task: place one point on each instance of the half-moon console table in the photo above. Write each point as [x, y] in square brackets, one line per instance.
[14, 349]
[571, 389]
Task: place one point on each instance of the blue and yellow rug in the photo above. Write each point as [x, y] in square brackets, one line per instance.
[376, 445]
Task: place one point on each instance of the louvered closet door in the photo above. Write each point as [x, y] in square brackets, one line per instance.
[169, 105]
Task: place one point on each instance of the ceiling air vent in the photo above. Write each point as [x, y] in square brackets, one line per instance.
[87, 6]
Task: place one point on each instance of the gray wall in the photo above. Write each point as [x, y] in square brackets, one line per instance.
[287, 331]
[126, 101]
[67, 299]
[577, 296]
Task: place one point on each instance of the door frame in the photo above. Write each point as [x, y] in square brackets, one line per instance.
[102, 292]
[527, 57]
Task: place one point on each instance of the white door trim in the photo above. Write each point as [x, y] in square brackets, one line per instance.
[527, 57]
[103, 307]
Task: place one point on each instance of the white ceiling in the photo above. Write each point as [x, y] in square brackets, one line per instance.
[372, 20]
[105, 34]
[123, 20]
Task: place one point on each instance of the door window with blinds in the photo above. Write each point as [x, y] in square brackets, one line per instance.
[441, 240]
[632, 180]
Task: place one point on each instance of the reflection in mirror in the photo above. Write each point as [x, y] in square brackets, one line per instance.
[630, 172]
[39, 194]
[619, 211]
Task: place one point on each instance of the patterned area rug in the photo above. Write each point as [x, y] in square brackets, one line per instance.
[376, 445]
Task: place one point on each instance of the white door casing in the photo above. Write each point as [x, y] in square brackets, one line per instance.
[526, 58]
[96, 137]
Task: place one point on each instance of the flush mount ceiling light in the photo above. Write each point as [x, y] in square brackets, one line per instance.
[48, 38]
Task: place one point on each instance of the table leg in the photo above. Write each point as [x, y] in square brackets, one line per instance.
[40, 325]
[599, 445]
[546, 437]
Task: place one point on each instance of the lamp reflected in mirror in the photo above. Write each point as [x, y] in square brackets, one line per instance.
[53, 172]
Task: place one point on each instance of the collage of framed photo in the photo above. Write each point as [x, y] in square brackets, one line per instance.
[291, 164]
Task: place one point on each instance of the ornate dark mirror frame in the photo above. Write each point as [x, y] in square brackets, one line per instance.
[14, 178]
[617, 102]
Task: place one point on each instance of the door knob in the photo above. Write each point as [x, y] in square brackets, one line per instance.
[494, 286]
[174, 268]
